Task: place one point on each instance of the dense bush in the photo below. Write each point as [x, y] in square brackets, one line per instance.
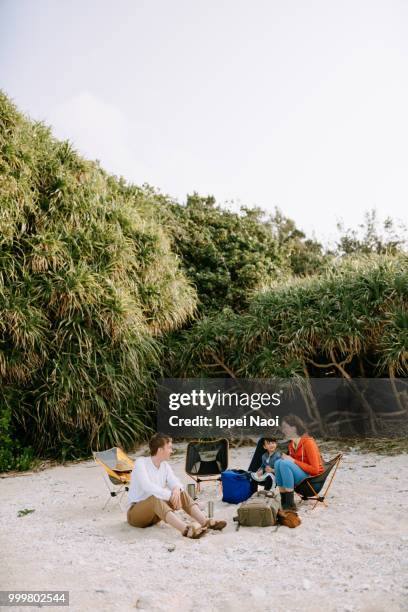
[87, 282]
[301, 255]
[104, 285]
[226, 255]
[351, 321]
[12, 454]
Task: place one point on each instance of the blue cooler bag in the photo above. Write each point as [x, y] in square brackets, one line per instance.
[237, 486]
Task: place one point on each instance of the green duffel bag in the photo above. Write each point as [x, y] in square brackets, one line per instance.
[260, 510]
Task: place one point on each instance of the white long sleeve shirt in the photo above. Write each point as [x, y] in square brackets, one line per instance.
[149, 480]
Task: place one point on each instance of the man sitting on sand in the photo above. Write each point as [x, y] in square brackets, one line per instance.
[155, 493]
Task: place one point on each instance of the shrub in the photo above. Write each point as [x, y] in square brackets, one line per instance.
[88, 283]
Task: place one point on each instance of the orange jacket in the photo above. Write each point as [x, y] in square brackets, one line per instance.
[307, 455]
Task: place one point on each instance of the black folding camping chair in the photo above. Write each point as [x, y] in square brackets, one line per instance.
[206, 459]
[312, 488]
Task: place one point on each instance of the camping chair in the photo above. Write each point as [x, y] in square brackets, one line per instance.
[118, 469]
[205, 460]
[312, 487]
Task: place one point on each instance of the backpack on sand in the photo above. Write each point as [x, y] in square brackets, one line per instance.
[263, 510]
[260, 510]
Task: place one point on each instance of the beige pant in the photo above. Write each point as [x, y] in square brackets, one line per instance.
[152, 510]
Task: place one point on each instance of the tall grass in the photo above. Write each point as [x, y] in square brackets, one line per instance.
[88, 283]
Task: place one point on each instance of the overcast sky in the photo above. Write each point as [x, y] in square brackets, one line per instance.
[296, 104]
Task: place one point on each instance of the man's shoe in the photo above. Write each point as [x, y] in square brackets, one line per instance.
[214, 524]
[194, 531]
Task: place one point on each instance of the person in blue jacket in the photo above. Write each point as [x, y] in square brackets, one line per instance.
[266, 472]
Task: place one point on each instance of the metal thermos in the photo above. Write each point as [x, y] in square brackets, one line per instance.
[210, 509]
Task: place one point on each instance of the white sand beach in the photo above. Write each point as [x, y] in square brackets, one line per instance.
[351, 556]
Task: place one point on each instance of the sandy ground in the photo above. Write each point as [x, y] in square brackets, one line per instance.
[349, 556]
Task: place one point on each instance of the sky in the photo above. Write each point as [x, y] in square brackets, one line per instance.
[299, 105]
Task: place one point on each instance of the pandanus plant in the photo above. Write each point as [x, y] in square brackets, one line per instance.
[350, 322]
[88, 283]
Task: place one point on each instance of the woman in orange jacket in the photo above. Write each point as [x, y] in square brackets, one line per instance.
[303, 460]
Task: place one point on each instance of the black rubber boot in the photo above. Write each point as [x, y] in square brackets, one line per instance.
[288, 501]
[268, 482]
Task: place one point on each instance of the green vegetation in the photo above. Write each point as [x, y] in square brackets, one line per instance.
[24, 512]
[225, 256]
[87, 284]
[105, 286]
[12, 454]
[373, 237]
[350, 321]
[229, 256]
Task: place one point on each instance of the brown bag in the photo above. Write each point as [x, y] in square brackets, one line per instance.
[260, 510]
[288, 518]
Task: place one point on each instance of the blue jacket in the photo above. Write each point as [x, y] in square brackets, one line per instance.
[268, 459]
